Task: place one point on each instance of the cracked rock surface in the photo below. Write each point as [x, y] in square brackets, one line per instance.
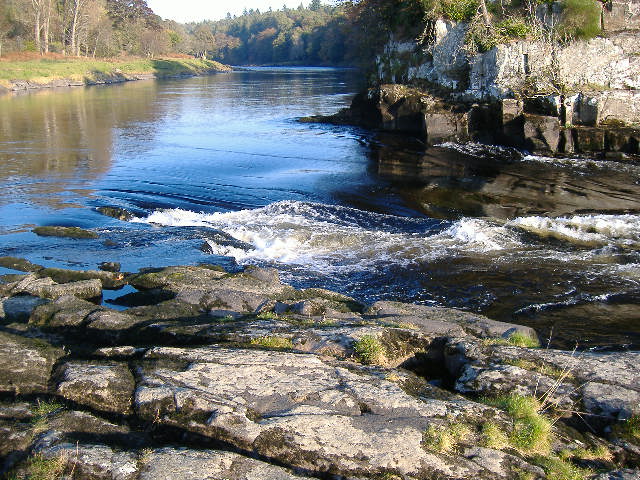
[203, 374]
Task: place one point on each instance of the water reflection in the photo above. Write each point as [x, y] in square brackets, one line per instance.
[52, 143]
[446, 183]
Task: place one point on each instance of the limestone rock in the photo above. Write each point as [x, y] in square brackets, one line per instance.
[111, 280]
[94, 462]
[424, 315]
[298, 410]
[184, 464]
[65, 311]
[20, 307]
[98, 385]
[26, 364]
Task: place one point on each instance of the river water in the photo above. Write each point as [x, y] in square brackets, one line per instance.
[218, 170]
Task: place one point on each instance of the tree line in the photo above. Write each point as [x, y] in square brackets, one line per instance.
[349, 32]
[318, 34]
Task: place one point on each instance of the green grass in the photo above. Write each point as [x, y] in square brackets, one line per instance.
[369, 350]
[629, 429]
[40, 468]
[538, 367]
[531, 429]
[272, 341]
[43, 70]
[445, 439]
[559, 469]
[493, 436]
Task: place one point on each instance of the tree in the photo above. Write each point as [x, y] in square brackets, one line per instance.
[315, 5]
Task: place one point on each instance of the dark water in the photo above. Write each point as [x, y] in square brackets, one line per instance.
[218, 170]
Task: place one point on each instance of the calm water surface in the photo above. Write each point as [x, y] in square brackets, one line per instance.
[218, 170]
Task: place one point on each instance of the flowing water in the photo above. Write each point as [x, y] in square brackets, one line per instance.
[218, 170]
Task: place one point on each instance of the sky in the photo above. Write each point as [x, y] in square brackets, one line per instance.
[195, 10]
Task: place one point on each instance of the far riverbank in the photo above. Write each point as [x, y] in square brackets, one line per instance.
[58, 71]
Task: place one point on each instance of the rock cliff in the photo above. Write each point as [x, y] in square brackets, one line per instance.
[577, 97]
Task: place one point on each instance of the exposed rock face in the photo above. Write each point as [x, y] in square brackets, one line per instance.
[601, 78]
[101, 386]
[26, 364]
[270, 382]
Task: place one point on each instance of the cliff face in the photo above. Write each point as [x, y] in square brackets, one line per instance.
[591, 83]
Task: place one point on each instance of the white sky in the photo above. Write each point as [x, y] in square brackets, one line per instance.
[195, 10]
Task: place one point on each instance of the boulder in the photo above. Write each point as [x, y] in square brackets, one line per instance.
[26, 364]
[19, 308]
[65, 232]
[64, 311]
[103, 386]
[111, 280]
[541, 133]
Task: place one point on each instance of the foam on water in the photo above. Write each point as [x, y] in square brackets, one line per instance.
[335, 237]
[591, 230]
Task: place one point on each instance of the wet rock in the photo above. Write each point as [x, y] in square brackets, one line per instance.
[541, 133]
[116, 212]
[109, 266]
[110, 280]
[100, 386]
[298, 410]
[623, 474]
[20, 307]
[65, 232]
[426, 316]
[19, 264]
[185, 464]
[446, 126]
[26, 364]
[47, 288]
[64, 311]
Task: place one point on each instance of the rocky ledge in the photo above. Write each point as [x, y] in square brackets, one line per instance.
[200, 373]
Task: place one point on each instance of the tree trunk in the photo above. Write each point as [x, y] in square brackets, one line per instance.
[74, 28]
[485, 13]
[36, 26]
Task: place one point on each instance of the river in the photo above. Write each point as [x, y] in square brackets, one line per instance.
[217, 169]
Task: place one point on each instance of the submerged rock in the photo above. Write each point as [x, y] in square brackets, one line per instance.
[65, 232]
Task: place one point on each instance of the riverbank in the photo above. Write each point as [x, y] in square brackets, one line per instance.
[57, 71]
[204, 372]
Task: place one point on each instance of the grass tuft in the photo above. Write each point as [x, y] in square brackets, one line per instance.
[493, 436]
[273, 341]
[369, 350]
[445, 439]
[531, 429]
[558, 469]
[520, 339]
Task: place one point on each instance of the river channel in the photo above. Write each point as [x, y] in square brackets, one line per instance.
[217, 169]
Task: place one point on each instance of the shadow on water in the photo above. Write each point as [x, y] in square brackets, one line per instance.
[503, 183]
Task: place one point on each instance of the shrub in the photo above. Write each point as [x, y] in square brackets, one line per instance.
[459, 10]
[369, 350]
[581, 18]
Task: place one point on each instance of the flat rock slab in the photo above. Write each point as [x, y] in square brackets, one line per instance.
[184, 464]
[26, 364]
[300, 411]
[104, 386]
[475, 324]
